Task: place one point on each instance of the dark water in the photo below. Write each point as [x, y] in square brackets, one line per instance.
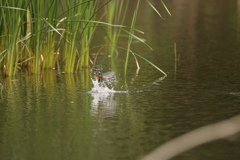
[54, 117]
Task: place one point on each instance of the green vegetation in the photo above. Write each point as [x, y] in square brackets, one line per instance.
[53, 34]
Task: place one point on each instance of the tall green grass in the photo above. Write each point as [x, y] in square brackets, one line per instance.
[72, 25]
[10, 29]
[115, 13]
[131, 33]
[40, 35]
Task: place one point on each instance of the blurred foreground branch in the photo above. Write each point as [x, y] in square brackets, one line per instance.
[195, 138]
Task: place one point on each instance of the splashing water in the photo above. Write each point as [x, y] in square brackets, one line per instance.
[101, 87]
[103, 102]
[104, 87]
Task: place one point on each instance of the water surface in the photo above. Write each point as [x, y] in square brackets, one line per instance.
[54, 116]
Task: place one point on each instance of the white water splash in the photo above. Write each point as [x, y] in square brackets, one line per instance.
[104, 88]
[100, 87]
[103, 103]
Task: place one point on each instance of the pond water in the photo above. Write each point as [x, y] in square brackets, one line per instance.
[58, 116]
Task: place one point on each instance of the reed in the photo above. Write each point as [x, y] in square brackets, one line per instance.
[49, 49]
[42, 34]
[87, 33]
[78, 33]
[115, 13]
[36, 7]
[131, 36]
[71, 32]
[10, 33]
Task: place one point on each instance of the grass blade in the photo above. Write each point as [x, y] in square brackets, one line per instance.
[151, 63]
[99, 22]
[166, 7]
[131, 37]
[139, 39]
[151, 5]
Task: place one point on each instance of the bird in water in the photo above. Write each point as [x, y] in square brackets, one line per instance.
[103, 76]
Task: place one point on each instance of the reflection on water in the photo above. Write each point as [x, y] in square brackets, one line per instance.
[159, 80]
[103, 102]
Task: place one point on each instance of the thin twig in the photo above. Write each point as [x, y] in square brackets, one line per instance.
[95, 58]
[138, 67]
[1, 90]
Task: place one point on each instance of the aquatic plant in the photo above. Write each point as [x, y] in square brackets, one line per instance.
[115, 13]
[131, 32]
[10, 30]
[42, 34]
